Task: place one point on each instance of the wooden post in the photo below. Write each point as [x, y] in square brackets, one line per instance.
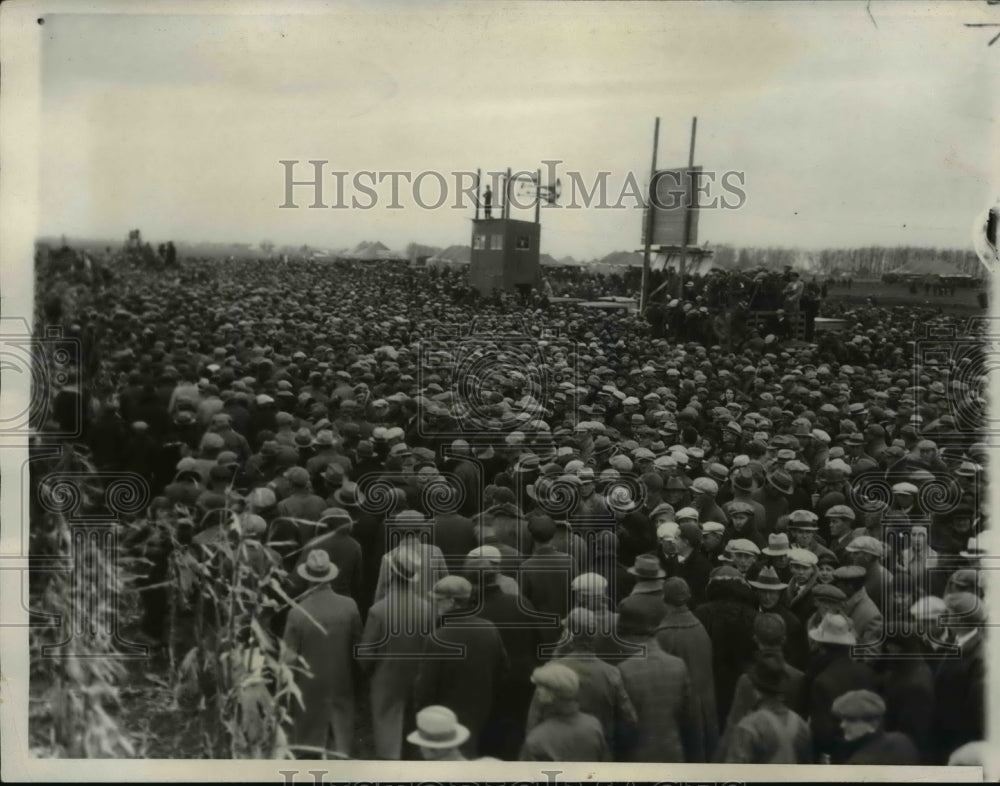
[538, 191]
[687, 211]
[479, 173]
[649, 221]
[506, 195]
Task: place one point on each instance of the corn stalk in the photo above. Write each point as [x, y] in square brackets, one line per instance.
[73, 714]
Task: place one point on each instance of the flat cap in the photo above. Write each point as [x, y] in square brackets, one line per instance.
[859, 704]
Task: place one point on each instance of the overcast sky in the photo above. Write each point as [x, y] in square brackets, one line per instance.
[848, 133]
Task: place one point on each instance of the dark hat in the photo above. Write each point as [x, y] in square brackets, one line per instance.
[768, 579]
[676, 591]
[768, 673]
[691, 532]
[542, 527]
[349, 495]
[769, 628]
[298, 477]
[828, 592]
[635, 617]
[781, 481]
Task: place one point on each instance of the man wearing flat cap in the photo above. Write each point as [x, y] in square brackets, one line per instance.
[563, 732]
[861, 714]
[959, 684]
[392, 645]
[771, 733]
[301, 503]
[835, 672]
[467, 684]
[660, 689]
[680, 633]
[858, 606]
[867, 552]
[522, 639]
[322, 629]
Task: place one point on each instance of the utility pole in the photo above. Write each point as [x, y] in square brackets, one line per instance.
[643, 297]
[692, 191]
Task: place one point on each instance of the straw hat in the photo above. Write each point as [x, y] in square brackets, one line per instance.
[438, 727]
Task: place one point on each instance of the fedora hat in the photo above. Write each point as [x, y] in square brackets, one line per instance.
[317, 568]
[349, 495]
[777, 544]
[834, 629]
[647, 568]
[768, 579]
[781, 481]
[438, 727]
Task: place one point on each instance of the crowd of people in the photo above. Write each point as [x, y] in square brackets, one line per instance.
[559, 534]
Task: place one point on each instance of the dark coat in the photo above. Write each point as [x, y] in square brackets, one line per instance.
[866, 617]
[746, 698]
[545, 579]
[393, 644]
[455, 536]
[345, 553]
[660, 689]
[635, 536]
[521, 639]
[728, 618]
[681, 634]
[884, 748]
[694, 570]
[602, 694]
[908, 690]
[463, 668]
[800, 600]
[960, 700]
[329, 694]
[302, 505]
[770, 734]
[566, 734]
[796, 649]
[834, 674]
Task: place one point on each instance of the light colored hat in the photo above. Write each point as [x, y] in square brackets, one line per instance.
[964, 608]
[858, 704]
[590, 584]
[802, 557]
[453, 587]
[438, 727]
[777, 544]
[317, 568]
[834, 629]
[866, 544]
[705, 486]
[405, 563]
[904, 488]
[841, 512]
[712, 526]
[668, 530]
[687, 513]
[742, 546]
[929, 607]
[559, 679]
[663, 509]
[490, 554]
